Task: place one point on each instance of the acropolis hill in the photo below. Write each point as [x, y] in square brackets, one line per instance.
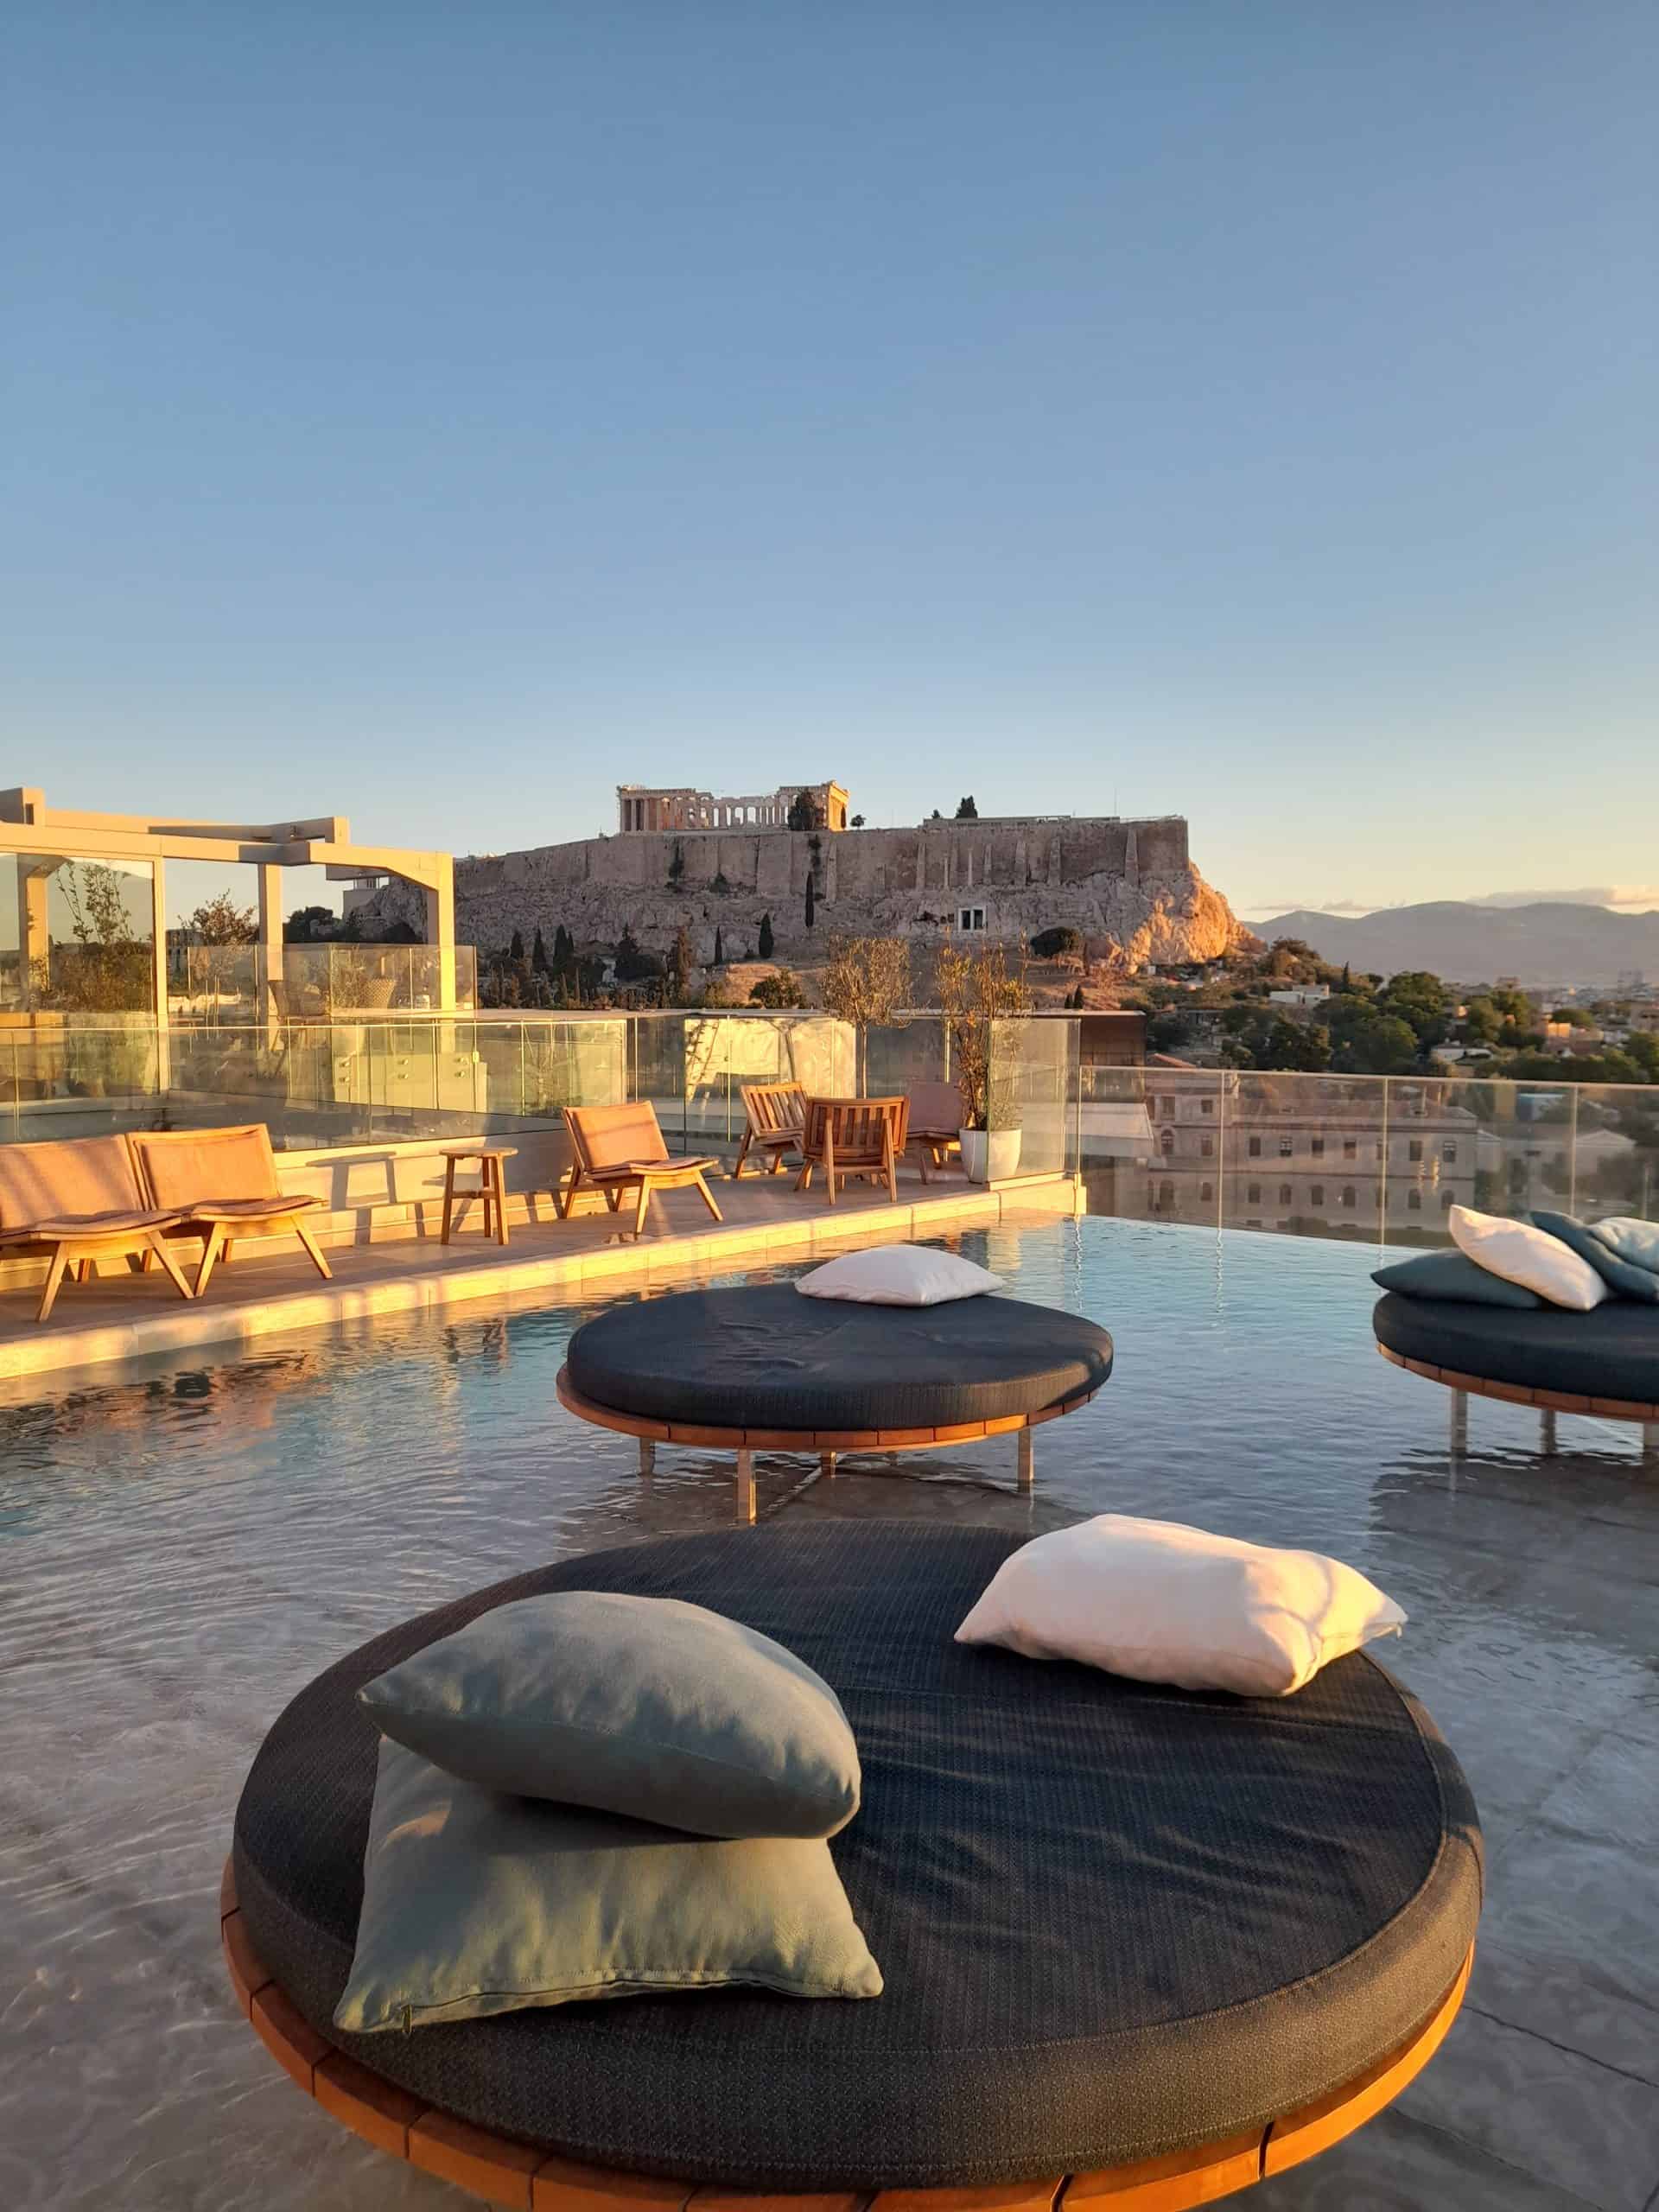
[1128, 886]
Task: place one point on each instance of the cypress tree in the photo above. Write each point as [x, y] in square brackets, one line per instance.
[811, 899]
[538, 959]
[516, 950]
[720, 950]
[766, 938]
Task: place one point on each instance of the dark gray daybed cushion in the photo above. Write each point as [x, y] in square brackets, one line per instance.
[1454, 1275]
[762, 1357]
[1620, 1275]
[1113, 1919]
[1611, 1353]
[478, 1904]
[644, 1706]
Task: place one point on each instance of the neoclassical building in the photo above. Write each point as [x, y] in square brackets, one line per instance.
[639, 809]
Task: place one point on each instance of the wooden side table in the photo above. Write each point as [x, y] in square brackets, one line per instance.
[492, 1188]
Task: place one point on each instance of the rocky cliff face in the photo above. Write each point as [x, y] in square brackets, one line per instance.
[1129, 888]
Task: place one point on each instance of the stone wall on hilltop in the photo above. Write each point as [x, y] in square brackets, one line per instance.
[1128, 886]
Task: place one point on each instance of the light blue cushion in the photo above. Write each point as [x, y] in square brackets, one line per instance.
[1637, 1242]
[1618, 1274]
[1453, 1276]
[475, 1903]
[646, 1706]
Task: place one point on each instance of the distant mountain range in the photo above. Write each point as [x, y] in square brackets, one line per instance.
[1543, 945]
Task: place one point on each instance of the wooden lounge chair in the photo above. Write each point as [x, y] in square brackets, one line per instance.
[935, 1124]
[78, 1200]
[854, 1136]
[777, 1115]
[619, 1148]
[222, 1187]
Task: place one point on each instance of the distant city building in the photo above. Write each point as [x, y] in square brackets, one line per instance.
[1250, 1151]
[642, 810]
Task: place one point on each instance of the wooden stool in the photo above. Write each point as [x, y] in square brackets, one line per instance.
[492, 1188]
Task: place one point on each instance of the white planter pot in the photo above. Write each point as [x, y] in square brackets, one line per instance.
[991, 1155]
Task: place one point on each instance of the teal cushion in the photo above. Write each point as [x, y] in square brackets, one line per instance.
[1637, 1242]
[1618, 1274]
[474, 1904]
[642, 1705]
[1451, 1274]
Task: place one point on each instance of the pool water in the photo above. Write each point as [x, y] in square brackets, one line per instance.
[180, 1550]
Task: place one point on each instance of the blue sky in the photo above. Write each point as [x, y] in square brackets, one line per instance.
[438, 414]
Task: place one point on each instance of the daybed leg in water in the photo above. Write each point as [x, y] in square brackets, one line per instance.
[1459, 1423]
[1546, 1443]
[1650, 1447]
[745, 1486]
[647, 1456]
[1027, 1471]
[827, 1466]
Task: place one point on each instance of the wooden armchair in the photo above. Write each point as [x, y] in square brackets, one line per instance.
[935, 1124]
[621, 1148]
[222, 1187]
[854, 1136]
[777, 1116]
[78, 1200]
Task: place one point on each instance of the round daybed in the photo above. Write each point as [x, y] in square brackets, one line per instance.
[1124, 1931]
[760, 1368]
[1605, 1363]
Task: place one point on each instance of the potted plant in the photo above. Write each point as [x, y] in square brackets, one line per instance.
[977, 992]
[867, 985]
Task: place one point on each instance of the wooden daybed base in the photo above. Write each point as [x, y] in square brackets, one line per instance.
[826, 1444]
[1549, 1403]
[503, 2171]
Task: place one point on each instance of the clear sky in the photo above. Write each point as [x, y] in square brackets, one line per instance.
[439, 414]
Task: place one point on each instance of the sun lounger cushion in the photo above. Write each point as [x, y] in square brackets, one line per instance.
[760, 1356]
[1612, 1353]
[901, 1275]
[209, 1166]
[1163, 1602]
[1520, 1253]
[66, 1178]
[476, 1903]
[641, 1706]
[1113, 1919]
[1623, 1279]
[1452, 1274]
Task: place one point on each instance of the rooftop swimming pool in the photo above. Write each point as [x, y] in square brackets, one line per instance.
[181, 1549]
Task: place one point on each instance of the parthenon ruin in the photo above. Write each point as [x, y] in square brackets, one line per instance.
[638, 808]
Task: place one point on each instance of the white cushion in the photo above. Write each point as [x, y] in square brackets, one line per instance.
[897, 1274]
[1162, 1603]
[1532, 1257]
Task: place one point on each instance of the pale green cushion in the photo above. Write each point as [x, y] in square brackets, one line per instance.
[1449, 1274]
[647, 1706]
[1629, 1239]
[474, 1902]
[1619, 1275]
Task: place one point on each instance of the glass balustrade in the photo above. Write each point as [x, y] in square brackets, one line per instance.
[1371, 1158]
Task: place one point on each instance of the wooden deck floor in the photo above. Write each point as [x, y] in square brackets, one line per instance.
[121, 1317]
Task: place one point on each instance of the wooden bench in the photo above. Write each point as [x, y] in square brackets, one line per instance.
[854, 1136]
[78, 1200]
[619, 1149]
[220, 1184]
[776, 1115]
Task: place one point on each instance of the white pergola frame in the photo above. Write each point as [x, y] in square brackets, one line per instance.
[31, 831]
